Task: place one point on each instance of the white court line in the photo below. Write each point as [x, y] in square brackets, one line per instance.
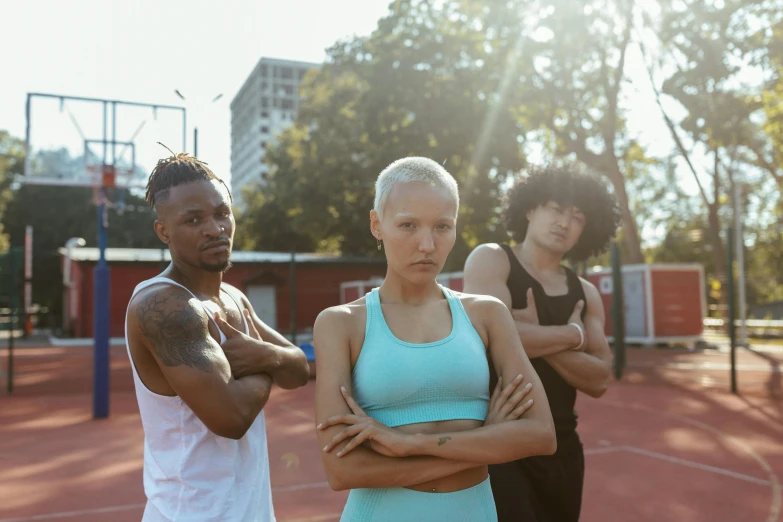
[64, 514]
[682, 462]
[593, 451]
[774, 481]
[112, 509]
[315, 485]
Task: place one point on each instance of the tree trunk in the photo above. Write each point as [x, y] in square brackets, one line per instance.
[631, 240]
[718, 250]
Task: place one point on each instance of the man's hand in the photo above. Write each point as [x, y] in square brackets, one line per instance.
[576, 319]
[506, 405]
[242, 351]
[528, 315]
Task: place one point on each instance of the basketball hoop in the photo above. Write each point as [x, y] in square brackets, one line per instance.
[109, 176]
[103, 176]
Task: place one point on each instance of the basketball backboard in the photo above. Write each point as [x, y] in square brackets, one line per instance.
[69, 139]
[103, 144]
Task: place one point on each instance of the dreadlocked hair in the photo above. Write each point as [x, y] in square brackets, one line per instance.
[570, 186]
[175, 170]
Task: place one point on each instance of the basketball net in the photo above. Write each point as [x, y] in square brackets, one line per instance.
[104, 177]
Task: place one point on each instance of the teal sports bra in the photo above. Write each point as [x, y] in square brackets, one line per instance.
[399, 383]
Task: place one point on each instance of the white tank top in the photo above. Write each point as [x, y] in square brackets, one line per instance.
[191, 474]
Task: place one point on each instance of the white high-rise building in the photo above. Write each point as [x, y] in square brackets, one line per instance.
[265, 105]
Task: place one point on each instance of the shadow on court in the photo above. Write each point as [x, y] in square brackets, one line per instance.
[668, 443]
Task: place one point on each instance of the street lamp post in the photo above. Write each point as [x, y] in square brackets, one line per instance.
[195, 127]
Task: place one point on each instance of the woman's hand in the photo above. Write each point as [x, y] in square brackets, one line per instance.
[363, 428]
[507, 404]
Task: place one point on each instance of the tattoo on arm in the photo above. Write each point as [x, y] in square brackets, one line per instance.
[443, 440]
[175, 331]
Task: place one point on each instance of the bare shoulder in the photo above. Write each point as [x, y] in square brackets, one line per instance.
[591, 292]
[593, 301]
[236, 293]
[488, 256]
[344, 318]
[484, 306]
[164, 299]
[173, 324]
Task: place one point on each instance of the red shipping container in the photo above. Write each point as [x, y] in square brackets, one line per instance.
[664, 303]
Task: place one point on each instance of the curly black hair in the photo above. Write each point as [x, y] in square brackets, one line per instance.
[176, 170]
[567, 185]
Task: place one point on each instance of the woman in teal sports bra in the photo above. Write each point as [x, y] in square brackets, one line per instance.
[404, 414]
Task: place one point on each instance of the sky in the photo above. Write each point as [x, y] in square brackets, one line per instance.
[142, 50]
[145, 49]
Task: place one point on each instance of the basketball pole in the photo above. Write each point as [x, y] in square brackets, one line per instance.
[101, 279]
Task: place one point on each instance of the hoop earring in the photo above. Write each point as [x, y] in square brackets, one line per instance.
[380, 244]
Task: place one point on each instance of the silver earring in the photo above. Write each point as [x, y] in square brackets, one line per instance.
[380, 244]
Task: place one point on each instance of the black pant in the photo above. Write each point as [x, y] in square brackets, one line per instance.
[541, 489]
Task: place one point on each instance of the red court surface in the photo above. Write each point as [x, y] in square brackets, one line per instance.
[668, 443]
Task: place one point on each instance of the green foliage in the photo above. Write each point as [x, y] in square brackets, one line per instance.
[570, 89]
[711, 54]
[451, 81]
[417, 86]
[768, 146]
[11, 165]
[59, 213]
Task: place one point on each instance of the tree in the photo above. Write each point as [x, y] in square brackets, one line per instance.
[706, 51]
[768, 147]
[421, 84]
[265, 225]
[569, 88]
[11, 165]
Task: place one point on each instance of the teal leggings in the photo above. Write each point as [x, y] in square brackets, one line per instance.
[474, 504]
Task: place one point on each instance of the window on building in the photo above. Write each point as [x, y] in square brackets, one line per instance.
[263, 70]
[287, 104]
[287, 73]
[264, 103]
[301, 73]
[264, 114]
[264, 129]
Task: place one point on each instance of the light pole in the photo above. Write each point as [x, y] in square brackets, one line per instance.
[195, 127]
[69, 246]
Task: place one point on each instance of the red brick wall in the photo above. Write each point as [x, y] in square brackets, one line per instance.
[318, 287]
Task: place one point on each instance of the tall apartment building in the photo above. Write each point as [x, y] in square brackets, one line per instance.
[265, 105]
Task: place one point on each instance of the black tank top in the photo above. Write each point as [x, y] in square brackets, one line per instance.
[552, 311]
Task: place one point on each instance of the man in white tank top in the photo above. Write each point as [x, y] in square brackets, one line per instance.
[203, 362]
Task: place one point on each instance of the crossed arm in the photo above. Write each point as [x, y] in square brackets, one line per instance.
[533, 434]
[588, 368]
[426, 457]
[272, 353]
[588, 371]
[174, 327]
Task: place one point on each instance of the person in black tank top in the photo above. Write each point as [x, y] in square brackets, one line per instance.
[554, 214]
